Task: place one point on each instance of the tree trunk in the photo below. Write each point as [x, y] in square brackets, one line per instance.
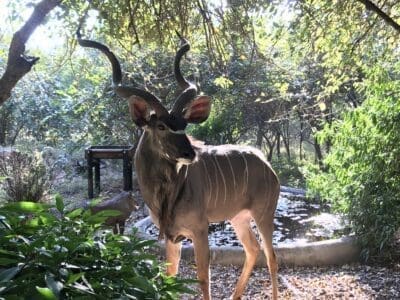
[259, 136]
[278, 145]
[271, 146]
[286, 143]
[301, 140]
[18, 63]
[318, 153]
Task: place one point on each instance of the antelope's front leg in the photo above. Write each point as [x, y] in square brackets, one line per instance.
[202, 256]
[173, 255]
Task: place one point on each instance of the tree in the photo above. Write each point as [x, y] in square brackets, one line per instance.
[362, 175]
[371, 6]
[18, 63]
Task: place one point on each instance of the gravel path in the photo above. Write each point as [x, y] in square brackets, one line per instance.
[345, 282]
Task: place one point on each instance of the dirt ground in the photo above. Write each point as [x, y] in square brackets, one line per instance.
[342, 282]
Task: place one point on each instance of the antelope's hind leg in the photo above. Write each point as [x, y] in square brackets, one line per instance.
[266, 227]
[241, 224]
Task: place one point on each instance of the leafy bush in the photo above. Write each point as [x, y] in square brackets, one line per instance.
[42, 257]
[222, 126]
[363, 168]
[289, 172]
[25, 177]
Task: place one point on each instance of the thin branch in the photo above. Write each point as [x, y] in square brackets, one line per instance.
[363, 36]
[132, 23]
[18, 63]
[371, 6]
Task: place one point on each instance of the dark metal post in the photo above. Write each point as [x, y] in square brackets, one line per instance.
[89, 159]
[127, 171]
[96, 164]
[130, 171]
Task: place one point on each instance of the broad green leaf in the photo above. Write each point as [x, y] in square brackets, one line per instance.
[108, 213]
[46, 293]
[26, 207]
[47, 218]
[142, 284]
[101, 216]
[10, 253]
[75, 213]
[59, 203]
[74, 277]
[34, 222]
[4, 261]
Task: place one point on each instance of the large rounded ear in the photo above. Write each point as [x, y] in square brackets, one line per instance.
[197, 110]
[139, 110]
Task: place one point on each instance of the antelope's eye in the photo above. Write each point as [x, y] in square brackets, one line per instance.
[161, 127]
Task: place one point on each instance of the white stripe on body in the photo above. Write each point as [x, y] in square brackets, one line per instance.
[223, 176]
[209, 181]
[216, 181]
[246, 170]
[233, 174]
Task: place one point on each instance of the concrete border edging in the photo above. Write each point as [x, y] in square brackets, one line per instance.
[330, 252]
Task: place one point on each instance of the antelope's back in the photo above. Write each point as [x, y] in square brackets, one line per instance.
[236, 178]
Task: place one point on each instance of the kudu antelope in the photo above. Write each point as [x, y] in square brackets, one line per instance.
[188, 185]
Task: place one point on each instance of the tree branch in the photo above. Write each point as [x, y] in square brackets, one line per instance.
[18, 63]
[371, 6]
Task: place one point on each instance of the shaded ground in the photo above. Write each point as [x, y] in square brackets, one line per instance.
[346, 282]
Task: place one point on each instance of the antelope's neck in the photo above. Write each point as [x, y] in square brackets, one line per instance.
[157, 177]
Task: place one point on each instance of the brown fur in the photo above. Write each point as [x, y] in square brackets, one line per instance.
[124, 203]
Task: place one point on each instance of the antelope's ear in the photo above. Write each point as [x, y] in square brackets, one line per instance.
[139, 110]
[198, 110]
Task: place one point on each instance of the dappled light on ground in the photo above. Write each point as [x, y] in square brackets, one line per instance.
[345, 282]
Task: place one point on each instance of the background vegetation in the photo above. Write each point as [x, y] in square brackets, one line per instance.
[314, 84]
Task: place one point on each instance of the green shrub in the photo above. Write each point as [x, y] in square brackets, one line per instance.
[363, 168]
[43, 257]
[24, 177]
[289, 172]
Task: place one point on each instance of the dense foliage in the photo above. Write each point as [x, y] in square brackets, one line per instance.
[43, 257]
[363, 168]
[278, 72]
